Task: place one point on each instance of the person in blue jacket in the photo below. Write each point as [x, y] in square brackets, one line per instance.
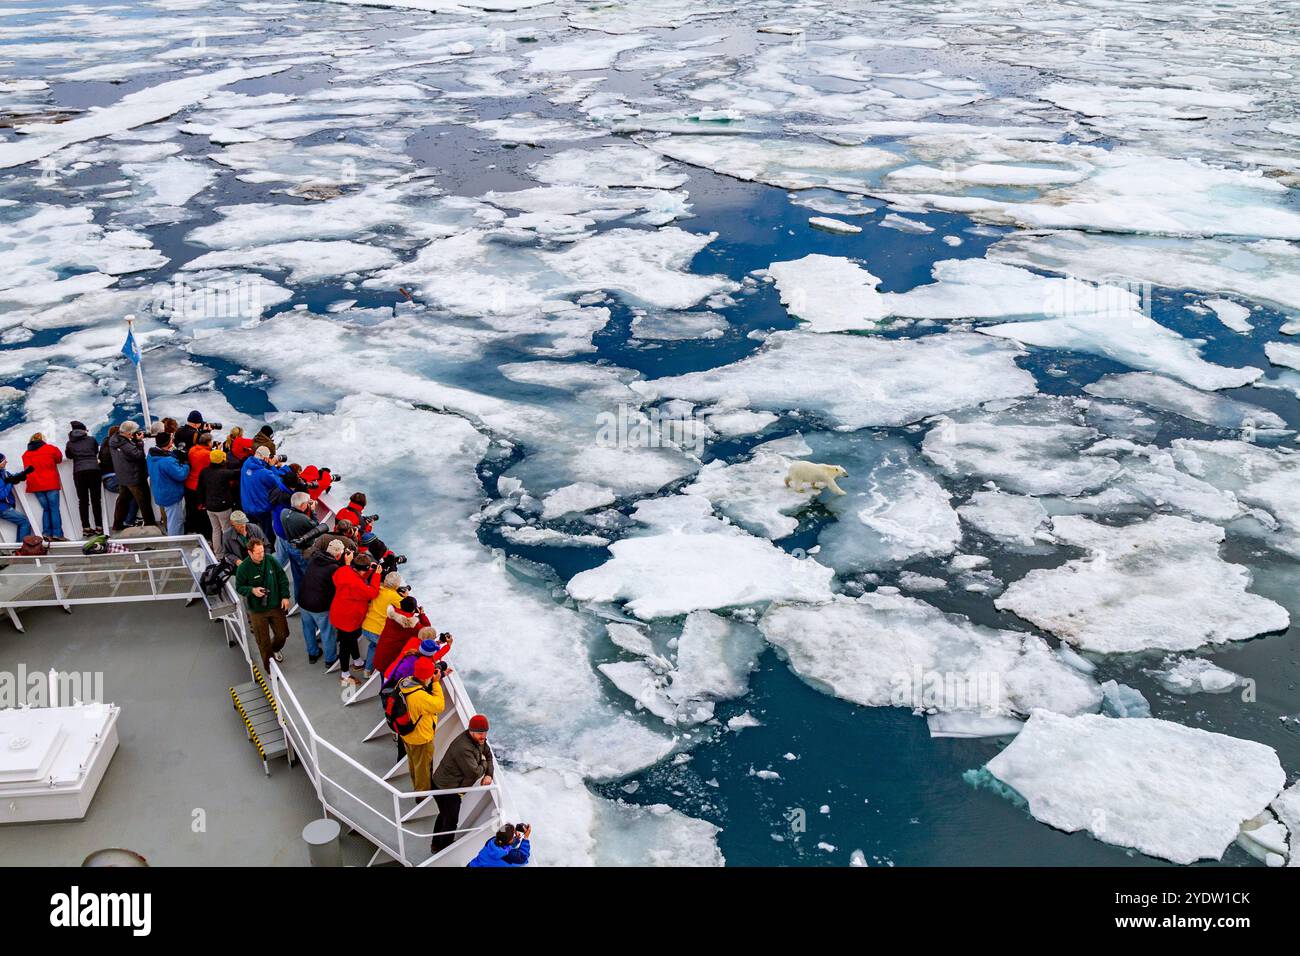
[9, 501]
[167, 476]
[510, 847]
[258, 478]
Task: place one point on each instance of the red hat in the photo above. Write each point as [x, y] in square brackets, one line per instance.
[425, 668]
[478, 724]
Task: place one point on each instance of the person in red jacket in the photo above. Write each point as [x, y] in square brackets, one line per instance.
[43, 458]
[356, 584]
[402, 624]
[354, 512]
[318, 480]
[237, 445]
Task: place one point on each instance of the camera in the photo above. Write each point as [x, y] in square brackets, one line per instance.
[211, 427]
[370, 519]
[520, 828]
[444, 636]
[180, 456]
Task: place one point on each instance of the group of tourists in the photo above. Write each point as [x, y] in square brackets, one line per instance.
[260, 513]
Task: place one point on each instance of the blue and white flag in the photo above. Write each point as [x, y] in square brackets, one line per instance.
[130, 349]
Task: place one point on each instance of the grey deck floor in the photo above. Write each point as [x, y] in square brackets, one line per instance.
[182, 746]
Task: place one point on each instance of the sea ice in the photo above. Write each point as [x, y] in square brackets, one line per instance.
[688, 560]
[1168, 395]
[889, 650]
[1158, 584]
[857, 381]
[830, 294]
[1171, 791]
[1194, 675]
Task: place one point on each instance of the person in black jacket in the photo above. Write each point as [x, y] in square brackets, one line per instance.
[127, 450]
[314, 599]
[218, 486]
[301, 530]
[188, 433]
[83, 451]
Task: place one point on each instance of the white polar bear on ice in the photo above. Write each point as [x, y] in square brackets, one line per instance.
[810, 473]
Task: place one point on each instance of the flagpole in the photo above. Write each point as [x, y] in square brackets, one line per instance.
[139, 374]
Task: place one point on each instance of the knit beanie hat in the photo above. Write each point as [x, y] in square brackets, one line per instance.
[424, 669]
[478, 723]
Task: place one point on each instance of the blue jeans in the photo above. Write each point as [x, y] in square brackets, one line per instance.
[373, 638]
[175, 517]
[51, 518]
[291, 559]
[263, 520]
[319, 634]
[18, 518]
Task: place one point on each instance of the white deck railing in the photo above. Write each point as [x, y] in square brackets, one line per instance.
[347, 790]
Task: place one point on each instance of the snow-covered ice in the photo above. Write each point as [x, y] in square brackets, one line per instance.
[1171, 791]
[1158, 584]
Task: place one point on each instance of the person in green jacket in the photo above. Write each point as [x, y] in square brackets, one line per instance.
[265, 587]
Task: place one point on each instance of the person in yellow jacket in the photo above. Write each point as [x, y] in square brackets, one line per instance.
[424, 704]
[377, 615]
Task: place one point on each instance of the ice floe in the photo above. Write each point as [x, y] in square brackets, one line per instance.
[1170, 791]
[886, 650]
[856, 381]
[1168, 395]
[688, 560]
[1158, 584]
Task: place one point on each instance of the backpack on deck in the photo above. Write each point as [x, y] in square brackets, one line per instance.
[214, 577]
[396, 714]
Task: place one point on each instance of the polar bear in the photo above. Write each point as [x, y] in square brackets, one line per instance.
[811, 473]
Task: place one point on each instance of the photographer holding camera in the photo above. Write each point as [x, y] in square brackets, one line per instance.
[126, 449]
[510, 847]
[168, 469]
[260, 479]
[187, 435]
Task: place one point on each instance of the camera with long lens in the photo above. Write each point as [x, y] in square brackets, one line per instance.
[369, 519]
[211, 427]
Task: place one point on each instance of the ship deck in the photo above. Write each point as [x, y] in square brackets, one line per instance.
[185, 787]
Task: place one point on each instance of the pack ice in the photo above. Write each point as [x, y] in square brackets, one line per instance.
[854, 381]
[1170, 791]
[884, 649]
[1156, 584]
[687, 560]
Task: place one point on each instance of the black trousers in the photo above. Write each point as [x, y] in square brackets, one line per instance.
[196, 519]
[448, 820]
[89, 493]
[143, 501]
